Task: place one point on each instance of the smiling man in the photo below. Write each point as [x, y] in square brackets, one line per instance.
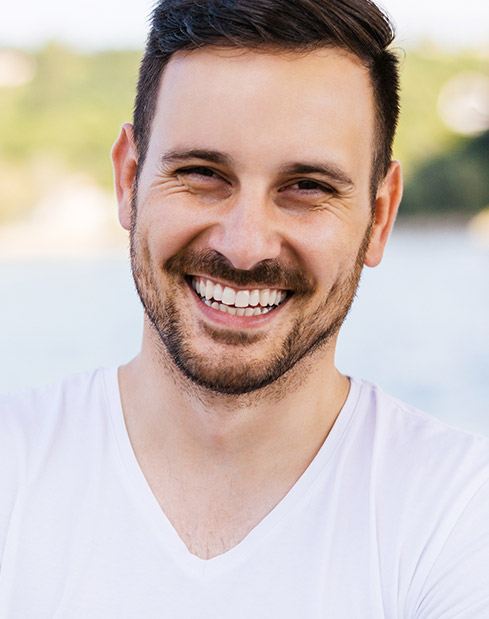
[230, 470]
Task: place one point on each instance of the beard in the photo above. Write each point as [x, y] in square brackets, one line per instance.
[236, 369]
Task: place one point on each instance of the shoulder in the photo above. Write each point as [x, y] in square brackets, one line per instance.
[32, 421]
[44, 429]
[415, 440]
[418, 463]
[33, 411]
[430, 487]
[427, 458]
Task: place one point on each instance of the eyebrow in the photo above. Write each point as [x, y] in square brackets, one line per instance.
[215, 156]
[328, 169]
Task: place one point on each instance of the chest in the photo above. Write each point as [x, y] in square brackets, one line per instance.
[109, 554]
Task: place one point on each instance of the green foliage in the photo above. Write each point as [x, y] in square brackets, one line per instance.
[69, 115]
[72, 110]
[444, 172]
[422, 133]
[455, 182]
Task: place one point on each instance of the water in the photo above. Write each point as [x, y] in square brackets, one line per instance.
[419, 327]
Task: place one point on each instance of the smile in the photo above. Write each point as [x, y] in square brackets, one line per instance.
[237, 302]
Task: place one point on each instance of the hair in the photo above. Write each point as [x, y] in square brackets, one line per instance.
[357, 26]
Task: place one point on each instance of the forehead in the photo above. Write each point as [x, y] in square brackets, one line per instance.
[257, 104]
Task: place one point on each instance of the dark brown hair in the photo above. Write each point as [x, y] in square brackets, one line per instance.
[357, 26]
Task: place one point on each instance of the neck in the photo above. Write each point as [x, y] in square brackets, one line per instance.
[170, 418]
[219, 464]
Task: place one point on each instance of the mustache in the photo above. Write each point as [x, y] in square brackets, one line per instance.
[268, 273]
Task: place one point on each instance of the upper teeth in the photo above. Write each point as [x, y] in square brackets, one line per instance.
[239, 298]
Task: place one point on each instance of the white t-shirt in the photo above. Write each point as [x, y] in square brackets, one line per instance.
[390, 520]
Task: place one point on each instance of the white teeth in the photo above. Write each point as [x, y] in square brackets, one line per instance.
[202, 287]
[264, 297]
[238, 311]
[242, 299]
[228, 296]
[209, 290]
[254, 298]
[217, 292]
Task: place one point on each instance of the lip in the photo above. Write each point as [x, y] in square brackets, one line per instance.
[235, 322]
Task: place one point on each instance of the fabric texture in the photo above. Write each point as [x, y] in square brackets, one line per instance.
[390, 520]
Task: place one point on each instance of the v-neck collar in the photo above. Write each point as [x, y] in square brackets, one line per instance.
[161, 526]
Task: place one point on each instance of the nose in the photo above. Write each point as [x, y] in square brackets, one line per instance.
[247, 232]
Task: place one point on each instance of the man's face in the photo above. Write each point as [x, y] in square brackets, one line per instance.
[255, 194]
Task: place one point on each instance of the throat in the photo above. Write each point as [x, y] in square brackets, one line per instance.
[212, 517]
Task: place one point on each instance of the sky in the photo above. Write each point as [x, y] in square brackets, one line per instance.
[98, 24]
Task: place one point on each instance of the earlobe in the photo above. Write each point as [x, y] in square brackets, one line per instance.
[386, 207]
[125, 165]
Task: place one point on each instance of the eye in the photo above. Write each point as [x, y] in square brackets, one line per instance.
[309, 186]
[204, 182]
[198, 172]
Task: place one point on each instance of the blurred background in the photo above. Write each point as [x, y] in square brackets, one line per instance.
[420, 325]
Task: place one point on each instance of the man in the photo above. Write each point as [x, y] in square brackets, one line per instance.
[230, 470]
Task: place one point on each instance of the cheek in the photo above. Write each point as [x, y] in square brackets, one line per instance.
[168, 226]
[328, 254]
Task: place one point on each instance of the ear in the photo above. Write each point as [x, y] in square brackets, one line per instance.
[386, 206]
[125, 163]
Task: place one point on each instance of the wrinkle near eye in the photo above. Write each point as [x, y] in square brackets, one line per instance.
[206, 191]
[170, 186]
[333, 207]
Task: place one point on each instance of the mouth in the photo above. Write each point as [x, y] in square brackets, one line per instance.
[240, 302]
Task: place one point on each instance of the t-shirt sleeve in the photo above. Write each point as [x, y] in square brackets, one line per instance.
[458, 583]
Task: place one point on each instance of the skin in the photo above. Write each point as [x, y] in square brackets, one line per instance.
[219, 462]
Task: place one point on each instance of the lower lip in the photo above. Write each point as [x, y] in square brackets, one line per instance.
[236, 322]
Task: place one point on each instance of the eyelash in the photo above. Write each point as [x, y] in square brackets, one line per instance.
[198, 169]
[321, 186]
[193, 171]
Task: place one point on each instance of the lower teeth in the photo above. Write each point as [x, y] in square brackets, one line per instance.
[237, 311]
